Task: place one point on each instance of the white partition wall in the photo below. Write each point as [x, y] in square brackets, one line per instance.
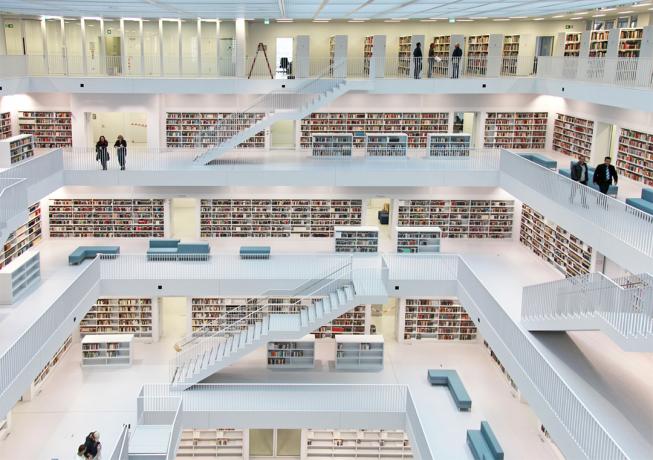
[495, 55]
[645, 52]
[301, 56]
[375, 60]
[338, 55]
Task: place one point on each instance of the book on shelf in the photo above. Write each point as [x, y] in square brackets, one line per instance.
[50, 129]
[516, 130]
[635, 155]
[193, 129]
[119, 316]
[354, 322]
[573, 136]
[356, 239]
[5, 125]
[24, 237]
[437, 319]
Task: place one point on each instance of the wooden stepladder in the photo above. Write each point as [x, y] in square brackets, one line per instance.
[260, 47]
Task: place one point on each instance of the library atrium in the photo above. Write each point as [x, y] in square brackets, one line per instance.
[326, 229]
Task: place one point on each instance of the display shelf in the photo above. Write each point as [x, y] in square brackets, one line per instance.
[448, 145]
[412, 240]
[332, 144]
[298, 354]
[510, 53]
[131, 315]
[359, 352]
[443, 48]
[355, 444]
[188, 129]
[437, 319]
[598, 45]
[478, 48]
[405, 55]
[554, 244]
[386, 144]
[47, 369]
[635, 157]
[417, 125]
[338, 55]
[50, 129]
[459, 218]
[356, 239]
[24, 237]
[571, 44]
[19, 276]
[107, 350]
[630, 42]
[223, 443]
[573, 136]
[15, 149]
[106, 218]
[516, 130]
[276, 218]
[5, 125]
[355, 322]
[374, 56]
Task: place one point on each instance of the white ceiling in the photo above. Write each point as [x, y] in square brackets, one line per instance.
[301, 9]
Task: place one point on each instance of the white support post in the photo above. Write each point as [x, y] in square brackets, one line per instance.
[156, 319]
[44, 37]
[301, 56]
[84, 47]
[102, 52]
[142, 42]
[495, 55]
[611, 56]
[64, 46]
[123, 54]
[3, 39]
[368, 318]
[199, 47]
[180, 48]
[161, 55]
[217, 47]
[241, 48]
[646, 56]
[377, 63]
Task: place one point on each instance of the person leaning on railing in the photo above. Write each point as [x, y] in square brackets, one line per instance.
[101, 152]
[121, 150]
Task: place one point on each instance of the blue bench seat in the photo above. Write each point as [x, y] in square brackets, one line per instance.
[163, 243]
[255, 252]
[90, 252]
[540, 160]
[645, 203]
[450, 379]
[483, 443]
[176, 250]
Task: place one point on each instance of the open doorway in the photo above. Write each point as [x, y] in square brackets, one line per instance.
[384, 319]
[465, 122]
[605, 141]
[173, 312]
[132, 126]
[282, 135]
[284, 57]
[377, 214]
[183, 219]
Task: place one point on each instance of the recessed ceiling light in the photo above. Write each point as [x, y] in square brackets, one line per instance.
[427, 20]
[358, 20]
[598, 15]
[518, 17]
[559, 16]
[399, 19]
[538, 19]
[606, 9]
[500, 20]
[392, 20]
[439, 19]
[321, 20]
[575, 19]
[478, 17]
[627, 12]
[639, 5]
[284, 20]
[465, 20]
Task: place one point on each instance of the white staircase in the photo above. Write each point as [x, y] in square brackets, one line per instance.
[277, 105]
[620, 308]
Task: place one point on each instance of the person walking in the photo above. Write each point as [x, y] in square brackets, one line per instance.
[605, 175]
[417, 60]
[121, 150]
[431, 60]
[92, 445]
[456, 57]
[580, 174]
[101, 152]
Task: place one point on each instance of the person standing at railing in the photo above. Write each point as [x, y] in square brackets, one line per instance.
[431, 60]
[580, 174]
[417, 60]
[121, 150]
[605, 175]
[101, 152]
[456, 56]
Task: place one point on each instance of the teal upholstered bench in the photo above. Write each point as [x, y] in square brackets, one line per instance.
[540, 160]
[255, 252]
[89, 252]
[645, 203]
[193, 251]
[612, 191]
[163, 243]
[450, 379]
[483, 444]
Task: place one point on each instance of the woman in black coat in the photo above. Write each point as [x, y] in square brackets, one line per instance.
[101, 152]
[121, 150]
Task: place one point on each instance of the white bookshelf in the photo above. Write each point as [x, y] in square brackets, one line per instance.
[573, 136]
[459, 218]
[338, 55]
[356, 321]
[406, 63]
[15, 149]
[131, 315]
[517, 53]
[106, 218]
[443, 49]
[298, 354]
[24, 237]
[276, 218]
[327, 145]
[516, 130]
[449, 145]
[354, 444]
[411, 240]
[189, 129]
[635, 155]
[107, 350]
[47, 369]
[359, 352]
[435, 319]
[598, 43]
[223, 443]
[5, 125]
[50, 129]
[386, 145]
[564, 251]
[568, 44]
[356, 239]
[478, 51]
[19, 276]
[374, 56]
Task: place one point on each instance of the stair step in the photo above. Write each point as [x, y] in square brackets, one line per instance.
[319, 308]
[206, 358]
[342, 297]
[221, 350]
[257, 330]
[250, 333]
[335, 302]
[228, 346]
[326, 303]
[349, 292]
[311, 313]
[242, 339]
[303, 315]
[265, 327]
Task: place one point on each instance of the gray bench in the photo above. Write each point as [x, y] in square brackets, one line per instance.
[90, 252]
[450, 379]
[255, 252]
[540, 160]
[483, 444]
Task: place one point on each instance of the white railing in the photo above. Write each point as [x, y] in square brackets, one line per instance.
[628, 308]
[414, 427]
[175, 433]
[422, 267]
[633, 72]
[121, 449]
[136, 158]
[627, 224]
[13, 199]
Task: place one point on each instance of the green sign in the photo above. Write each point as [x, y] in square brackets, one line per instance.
[9, 26]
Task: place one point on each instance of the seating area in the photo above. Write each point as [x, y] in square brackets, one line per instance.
[82, 253]
[483, 444]
[450, 379]
[541, 160]
[645, 203]
[165, 249]
[255, 252]
[612, 191]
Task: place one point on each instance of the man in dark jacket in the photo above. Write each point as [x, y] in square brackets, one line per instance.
[605, 175]
[456, 57]
[579, 173]
[417, 58]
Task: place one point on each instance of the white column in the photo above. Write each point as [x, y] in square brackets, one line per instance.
[217, 47]
[495, 55]
[401, 320]
[45, 47]
[199, 46]
[241, 48]
[180, 49]
[64, 46]
[123, 55]
[142, 42]
[103, 49]
[301, 56]
[3, 39]
[84, 45]
[161, 47]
